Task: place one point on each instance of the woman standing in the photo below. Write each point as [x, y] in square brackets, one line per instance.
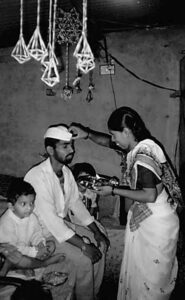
[149, 266]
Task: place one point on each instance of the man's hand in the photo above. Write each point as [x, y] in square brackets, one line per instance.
[101, 238]
[92, 252]
[50, 245]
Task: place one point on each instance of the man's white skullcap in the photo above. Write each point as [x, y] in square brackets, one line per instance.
[59, 133]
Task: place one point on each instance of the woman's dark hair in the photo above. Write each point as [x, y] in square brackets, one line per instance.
[17, 188]
[83, 167]
[127, 117]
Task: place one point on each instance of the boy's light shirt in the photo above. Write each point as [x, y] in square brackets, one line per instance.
[24, 233]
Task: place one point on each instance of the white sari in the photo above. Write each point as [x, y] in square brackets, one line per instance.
[149, 266]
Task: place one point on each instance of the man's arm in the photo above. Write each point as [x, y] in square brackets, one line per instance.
[99, 236]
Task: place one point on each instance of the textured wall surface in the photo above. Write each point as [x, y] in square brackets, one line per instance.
[26, 111]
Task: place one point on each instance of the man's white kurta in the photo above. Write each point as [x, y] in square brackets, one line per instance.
[52, 205]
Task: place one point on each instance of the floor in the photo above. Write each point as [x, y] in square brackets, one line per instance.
[108, 290]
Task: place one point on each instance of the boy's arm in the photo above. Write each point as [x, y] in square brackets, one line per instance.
[18, 261]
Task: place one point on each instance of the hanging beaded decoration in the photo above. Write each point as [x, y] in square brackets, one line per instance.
[76, 82]
[51, 75]
[68, 29]
[46, 57]
[89, 97]
[20, 51]
[83, 53]
[36, 46]
[67, 90]
[68, 26]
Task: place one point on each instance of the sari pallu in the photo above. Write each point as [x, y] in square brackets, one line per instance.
[149, 266]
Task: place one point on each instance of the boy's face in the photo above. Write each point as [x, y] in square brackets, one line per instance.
[81, 188]
[24, 206]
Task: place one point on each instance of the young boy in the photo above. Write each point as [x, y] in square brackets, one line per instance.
[19, 226]
[89, 198]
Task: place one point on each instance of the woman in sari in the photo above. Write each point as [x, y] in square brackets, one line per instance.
[149, 265]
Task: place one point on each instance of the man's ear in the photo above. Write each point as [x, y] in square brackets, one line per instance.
[126, 131]
[49, 150]
[10, 206]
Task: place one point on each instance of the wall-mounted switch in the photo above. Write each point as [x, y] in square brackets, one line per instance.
[107, 69]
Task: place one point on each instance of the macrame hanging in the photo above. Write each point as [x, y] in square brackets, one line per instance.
[49, 53]
[20, 51]
[36, 46]
[83, 53]
[51, 74]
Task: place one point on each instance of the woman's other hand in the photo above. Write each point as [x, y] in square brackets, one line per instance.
[103, 190]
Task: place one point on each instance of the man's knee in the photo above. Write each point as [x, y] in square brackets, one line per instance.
[83, 262]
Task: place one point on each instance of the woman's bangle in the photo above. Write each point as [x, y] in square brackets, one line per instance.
[112, 192]
[88, 132]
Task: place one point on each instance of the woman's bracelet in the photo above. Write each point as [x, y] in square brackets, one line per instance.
[112, 192]
[88, 132]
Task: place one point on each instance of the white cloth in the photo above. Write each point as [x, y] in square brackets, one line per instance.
[149, 266]
[59, 133]
[52, 205]
[24, 233]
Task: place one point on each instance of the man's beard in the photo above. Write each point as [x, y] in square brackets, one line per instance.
[68, 159]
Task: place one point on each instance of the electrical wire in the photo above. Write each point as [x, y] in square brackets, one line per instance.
[107, 55]
[135, 75]
[113, 91]
[107, 61]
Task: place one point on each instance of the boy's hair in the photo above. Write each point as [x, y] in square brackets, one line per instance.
[83, 167]
[17, 188]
